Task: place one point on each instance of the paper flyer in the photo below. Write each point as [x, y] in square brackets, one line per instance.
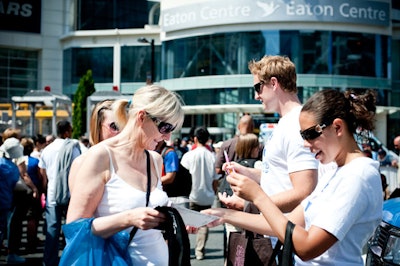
[195, 218]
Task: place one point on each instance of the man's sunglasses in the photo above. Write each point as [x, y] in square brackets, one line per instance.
[312, 132]
[258, 87]
[163, 127]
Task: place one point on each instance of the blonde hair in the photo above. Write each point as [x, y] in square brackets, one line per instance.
[96, 120]
[246, 145]
[276, 66]
[11, 133]
[155, 100]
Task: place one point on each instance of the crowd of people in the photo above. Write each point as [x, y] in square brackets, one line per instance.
[311, 172]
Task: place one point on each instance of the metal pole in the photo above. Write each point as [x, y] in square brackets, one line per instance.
[153, 63]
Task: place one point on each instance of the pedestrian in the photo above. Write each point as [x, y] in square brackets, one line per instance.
[55, 162]
[289, 170]
[103, 125]
[383, 158]
[396, 163]
[9, 176]
[170, 162]
[244, 126]
[180, 151]
[24, 192]
[111, 184]
[39, 144]
[247, 150]
[200, 163]
[334, 223]
[49, 139]
[35, 210]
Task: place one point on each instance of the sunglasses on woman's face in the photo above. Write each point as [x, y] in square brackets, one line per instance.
[113, 126]
[312, 132]
[163, 127]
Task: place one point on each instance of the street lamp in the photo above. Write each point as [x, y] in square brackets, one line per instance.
[152, 73]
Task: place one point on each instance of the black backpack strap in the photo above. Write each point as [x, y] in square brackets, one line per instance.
[134, 229]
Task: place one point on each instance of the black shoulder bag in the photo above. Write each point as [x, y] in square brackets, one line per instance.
[134, 229]
[285, 254]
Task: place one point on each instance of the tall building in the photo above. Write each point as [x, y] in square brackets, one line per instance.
[201, 48]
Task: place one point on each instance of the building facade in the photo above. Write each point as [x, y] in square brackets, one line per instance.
[201, 48]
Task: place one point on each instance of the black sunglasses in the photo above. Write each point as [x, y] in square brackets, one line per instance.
[258, 86]
[163, 127]
[312, 132]
[113, 126]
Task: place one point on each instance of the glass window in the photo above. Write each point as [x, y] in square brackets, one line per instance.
[78, 61]
[353, 54]
[313, 52]
[136, 63]
[219, 54]
[18, 72]
[105, 14]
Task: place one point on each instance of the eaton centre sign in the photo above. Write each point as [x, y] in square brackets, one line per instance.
[195, 13]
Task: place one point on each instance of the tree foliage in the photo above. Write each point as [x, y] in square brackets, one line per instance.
[85, 89]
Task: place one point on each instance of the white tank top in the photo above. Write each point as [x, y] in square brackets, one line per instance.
[148, 247]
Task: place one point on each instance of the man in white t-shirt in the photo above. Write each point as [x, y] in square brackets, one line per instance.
[200, 163]
[290, 171]
[49, 168]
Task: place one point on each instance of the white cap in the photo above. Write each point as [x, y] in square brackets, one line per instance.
[12, 148]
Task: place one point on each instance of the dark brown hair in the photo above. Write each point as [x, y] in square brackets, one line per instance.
[356, 109]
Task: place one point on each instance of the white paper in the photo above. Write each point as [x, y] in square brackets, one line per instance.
[195, 218]
[178, 200]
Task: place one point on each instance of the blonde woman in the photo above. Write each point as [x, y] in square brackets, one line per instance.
[103, 125]
[112, 182]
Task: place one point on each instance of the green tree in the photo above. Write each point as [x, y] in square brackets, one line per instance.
[85, 89]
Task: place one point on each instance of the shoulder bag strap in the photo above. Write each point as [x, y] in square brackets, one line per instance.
[134, 229]
[287, 253]
[285, 256]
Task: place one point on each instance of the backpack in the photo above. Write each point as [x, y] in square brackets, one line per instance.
[182, 184]
[225, 186]
[63, 166]
[247, 162]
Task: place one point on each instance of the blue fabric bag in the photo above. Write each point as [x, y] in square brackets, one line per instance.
[85, 248]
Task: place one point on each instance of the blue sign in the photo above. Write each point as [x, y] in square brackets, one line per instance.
[212, 13]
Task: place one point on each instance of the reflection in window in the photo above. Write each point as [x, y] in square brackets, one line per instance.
[136, 63]
[99, 60]
[219, 54]
[313, 52]
[105, 14]
[18, 72]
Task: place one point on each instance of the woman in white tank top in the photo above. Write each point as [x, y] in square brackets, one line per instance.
[111, 184]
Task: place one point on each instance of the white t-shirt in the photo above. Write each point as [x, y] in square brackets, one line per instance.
[200, 163]
[285, 153]
[348, 205]
[48, 160]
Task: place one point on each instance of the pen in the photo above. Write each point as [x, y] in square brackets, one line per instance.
[228, 161]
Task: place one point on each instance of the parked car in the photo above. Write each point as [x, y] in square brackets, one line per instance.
[384, 246]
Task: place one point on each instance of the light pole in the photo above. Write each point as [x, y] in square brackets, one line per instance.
[153, 63]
